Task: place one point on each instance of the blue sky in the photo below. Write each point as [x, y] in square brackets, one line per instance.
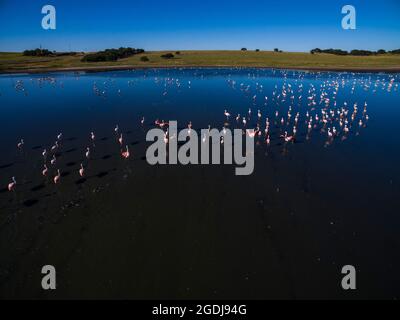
[203, 24]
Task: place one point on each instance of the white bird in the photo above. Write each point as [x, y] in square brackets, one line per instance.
[12, 184]
[57, 177]
[45, 170]
[82, 171]
[20, 144]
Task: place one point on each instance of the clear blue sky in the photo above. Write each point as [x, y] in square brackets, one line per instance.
[291, 25]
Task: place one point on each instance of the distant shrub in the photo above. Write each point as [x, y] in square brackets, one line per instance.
[144, 59]
[167, 56]
[362, 53]
[257, 50]
[276, 50]
[111, 54]
[244, 49]
[397, 51]
[316, 50]
[38, 53]
[177, 52]
[381, 51]
[331, 51]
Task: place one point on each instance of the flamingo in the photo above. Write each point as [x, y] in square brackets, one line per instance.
[142, 121]
[252, 134]
[20, 144]
[59, 136]
[92, 136]
[57, 177]
[125, 154]
[54, 147]
[81, 171]
[87, 153]
[45, 170]
[121, 140]
[286, 137]
[53, 161]
[44, 153]
[12, 184]
[227, 114]
[166, 137]
[116, 129]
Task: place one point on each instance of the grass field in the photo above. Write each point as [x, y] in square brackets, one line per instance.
[16, 62]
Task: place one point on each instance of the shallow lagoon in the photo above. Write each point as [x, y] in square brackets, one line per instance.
[131, 230]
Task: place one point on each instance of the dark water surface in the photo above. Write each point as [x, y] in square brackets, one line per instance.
[132, 230]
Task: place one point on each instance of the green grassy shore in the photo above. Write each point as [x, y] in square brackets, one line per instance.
[16, 62]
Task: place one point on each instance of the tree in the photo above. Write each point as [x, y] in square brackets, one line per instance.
[111, 54]
[37, 53]
[244, 49]
[381, 51]
[167, 56]
[316, 50]
[257, 50]
[144, 59]
[276, 50]
[177, 52]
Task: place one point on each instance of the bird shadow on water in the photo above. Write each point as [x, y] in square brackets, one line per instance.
[5, 166]
[38, 187]
[3, 190]
[30, 202]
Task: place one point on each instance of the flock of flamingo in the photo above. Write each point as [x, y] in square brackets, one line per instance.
[290, 108]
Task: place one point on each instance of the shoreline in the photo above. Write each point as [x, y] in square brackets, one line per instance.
[133, 67]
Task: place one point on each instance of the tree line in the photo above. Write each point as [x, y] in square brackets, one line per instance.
[355, 52]
[46, 53]
[111, 54]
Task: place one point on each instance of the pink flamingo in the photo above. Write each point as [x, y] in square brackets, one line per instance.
[45, 170]
[252, 134]
[87, 153]
[287, 138]
[20, 144]
[53, 161]
[81, 171]
[54, 148]
[125, 154]
[57, 177]
[121, 140]
[12, 184]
